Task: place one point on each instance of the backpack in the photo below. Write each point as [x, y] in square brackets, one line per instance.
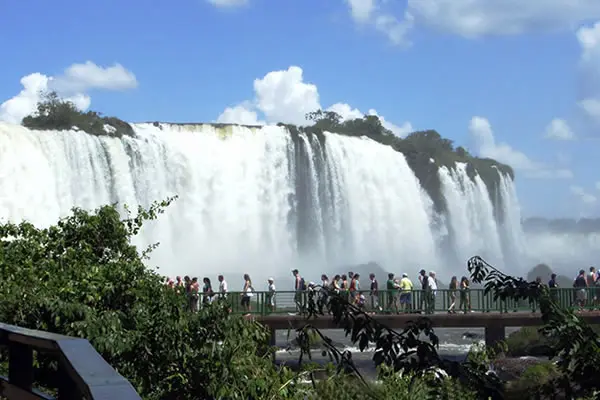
[302, 285]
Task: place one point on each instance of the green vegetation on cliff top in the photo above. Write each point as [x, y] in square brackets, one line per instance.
[425, 151]
[57, 114]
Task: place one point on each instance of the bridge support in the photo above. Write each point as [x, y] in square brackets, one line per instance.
[494, 334]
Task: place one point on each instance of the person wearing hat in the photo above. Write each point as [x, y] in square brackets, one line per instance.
[406, 287]
[271, 295]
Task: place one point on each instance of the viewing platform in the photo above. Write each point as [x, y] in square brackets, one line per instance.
[479, 310]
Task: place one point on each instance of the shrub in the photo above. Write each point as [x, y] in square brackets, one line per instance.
[54, 113]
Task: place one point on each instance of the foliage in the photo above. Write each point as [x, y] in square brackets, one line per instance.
[54, 113]
[574, 343]
[531, 383]
[425, 151]
[84, 278]
[528, 341]
[400, 353]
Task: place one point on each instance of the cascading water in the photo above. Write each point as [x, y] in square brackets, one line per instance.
[511, 232]
[471, 219]
[385, 215]
[262, 201]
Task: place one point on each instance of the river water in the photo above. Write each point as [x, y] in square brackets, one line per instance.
[454, 344]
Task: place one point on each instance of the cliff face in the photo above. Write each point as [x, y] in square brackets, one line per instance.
[425, 151]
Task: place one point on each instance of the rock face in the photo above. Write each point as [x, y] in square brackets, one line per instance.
[511, 368]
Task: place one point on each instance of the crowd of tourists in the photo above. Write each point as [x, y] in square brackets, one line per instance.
[398, 295]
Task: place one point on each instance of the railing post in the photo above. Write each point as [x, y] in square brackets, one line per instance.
[67, 389]
[20, 365]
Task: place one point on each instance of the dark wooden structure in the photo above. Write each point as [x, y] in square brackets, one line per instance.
[495, 324]
[82, 372]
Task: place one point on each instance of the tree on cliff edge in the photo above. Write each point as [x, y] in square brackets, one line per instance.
[54, 113]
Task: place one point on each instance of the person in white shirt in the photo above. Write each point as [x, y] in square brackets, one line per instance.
[271, 295]
[222, 287]
[432, 292]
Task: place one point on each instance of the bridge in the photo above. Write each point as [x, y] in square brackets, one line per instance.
[494, 324]
[82, 373]
[480, 310]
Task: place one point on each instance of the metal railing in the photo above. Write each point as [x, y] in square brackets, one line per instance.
[82, 373]
[471, 300]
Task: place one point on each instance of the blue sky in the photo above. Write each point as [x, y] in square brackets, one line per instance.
[490, 75]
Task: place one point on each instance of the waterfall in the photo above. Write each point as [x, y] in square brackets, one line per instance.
[511, 232]
[471, 220]
[264, 201]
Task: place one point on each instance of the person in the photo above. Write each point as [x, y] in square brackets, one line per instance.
[194, 294]
[580, 284]
[406, 288]
[325, 288]
[344, 284]
[247, 293]
[431, 293]
[271, 295]
[391, 292]
[299, 288]
[355, 289]
[591, 280]
[335, 284]
[465, 298]
[424, 280]
[187, 287]
[324, 281]
[222, 287]
[553, 285]
[374, 292]
[207, 292]
[453, 288]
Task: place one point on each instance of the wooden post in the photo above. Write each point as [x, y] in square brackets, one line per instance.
[20, 365]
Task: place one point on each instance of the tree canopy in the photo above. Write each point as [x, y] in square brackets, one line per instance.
[54, 113]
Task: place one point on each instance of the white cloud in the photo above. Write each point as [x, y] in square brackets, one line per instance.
[241, 114]
[83, 77]
[72, 85]
[559, 129]
[589, 96]
[228, 3]
[482, 135]
[284, 96]
[584, 196]
[474, 18]
[370, 12]
[361, 10]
